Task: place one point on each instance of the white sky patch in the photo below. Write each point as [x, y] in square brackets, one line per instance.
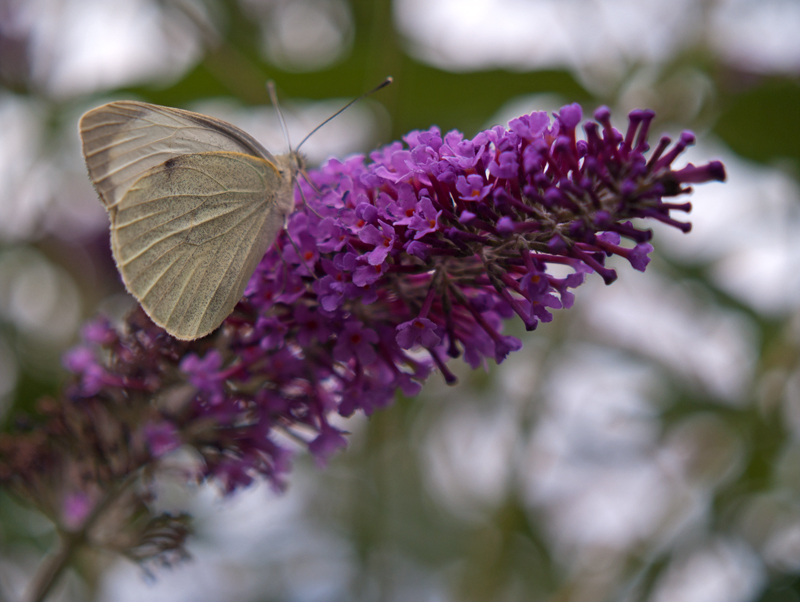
[601, 37]
[606, 36]
[760, 35]
[24, 175]
[746, 228]
[40, 298]
[43, 181]
[782, 550]
[83, 46]
[724, 571]
[591, 463]
[467, 458]
[665, 321]
[303, 35]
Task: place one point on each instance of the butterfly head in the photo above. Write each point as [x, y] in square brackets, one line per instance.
[291, 165]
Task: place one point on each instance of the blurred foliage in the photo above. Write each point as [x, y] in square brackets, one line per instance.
[463, 101]
[761, 121]
[375, 493]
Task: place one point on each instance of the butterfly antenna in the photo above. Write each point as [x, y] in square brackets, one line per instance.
[383, 84]
[273, 96]
[303, 194]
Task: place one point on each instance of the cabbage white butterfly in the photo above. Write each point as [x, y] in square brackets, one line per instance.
[194, 204]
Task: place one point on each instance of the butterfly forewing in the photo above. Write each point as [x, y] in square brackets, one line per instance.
[189, 233]
[123, 140]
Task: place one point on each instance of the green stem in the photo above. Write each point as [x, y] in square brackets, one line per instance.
[51, 569]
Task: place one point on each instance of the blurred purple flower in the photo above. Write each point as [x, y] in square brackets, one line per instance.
[204, 375]
[162, 438]
[75, 509]
[417, 331]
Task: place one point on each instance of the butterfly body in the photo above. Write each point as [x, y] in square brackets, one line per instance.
[194, 204]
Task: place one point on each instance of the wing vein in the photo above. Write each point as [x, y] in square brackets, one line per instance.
[178, 257]
[254, 223]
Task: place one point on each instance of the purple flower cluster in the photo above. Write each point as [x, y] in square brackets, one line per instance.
[390, 266]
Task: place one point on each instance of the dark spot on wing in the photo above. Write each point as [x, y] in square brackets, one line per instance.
[170, 165]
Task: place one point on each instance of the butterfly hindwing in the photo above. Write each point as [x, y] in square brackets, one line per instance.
[188, 234]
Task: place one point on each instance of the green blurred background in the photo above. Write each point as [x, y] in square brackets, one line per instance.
[642, 447]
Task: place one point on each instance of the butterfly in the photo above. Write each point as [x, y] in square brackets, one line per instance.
[194, 203]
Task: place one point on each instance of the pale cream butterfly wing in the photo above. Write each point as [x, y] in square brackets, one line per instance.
[194, 204]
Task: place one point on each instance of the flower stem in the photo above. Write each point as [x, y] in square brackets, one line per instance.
[51, 569]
